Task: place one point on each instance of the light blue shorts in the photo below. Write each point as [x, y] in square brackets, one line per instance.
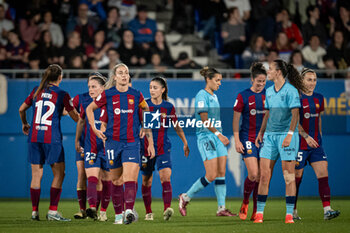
[210, 147]
[272, 147]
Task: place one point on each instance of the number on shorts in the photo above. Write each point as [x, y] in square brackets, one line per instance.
[44, 119]
[90, 156]
[300, 157]
[248, 145]
[144, 159]
[209, 146]
[110, 154]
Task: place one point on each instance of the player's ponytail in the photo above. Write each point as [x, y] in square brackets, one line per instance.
[208, 72]
[111, 81]
[51, 74]
[256, 69]
[290, 73]
[162, 81]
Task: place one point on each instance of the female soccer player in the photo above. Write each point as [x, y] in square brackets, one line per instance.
[122, 138]
[45, 137]
[158, 103]
[250, 104]
[95, 160]
[279, 130]
[310, 149]
[211, 144]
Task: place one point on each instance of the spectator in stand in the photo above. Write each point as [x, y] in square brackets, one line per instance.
[297, 60]
[233, 33]
[53, 28]
[313, 53]
[131, 53]
[3, 56]
[313, 26]
[76, 63]
[182, 20]
[243, 7]
[329, 67]
[143, 28]
[63, 10]
[257, 51]
[34, 63]
[284, 24]
[283, 46]
[29, 29]
[263, 18]
[83, 24]
[298, 10]
[157, 65]
[92, 64]
[271, 56]
[72, 48]
[184, 62]
[5, 26]
[95, 8]
[17, 51]
[48, 52]
[113, 58]
[160, 47]
[342, 23]
[337, 49]
[127, 8]
[98, 49]
[112, 26]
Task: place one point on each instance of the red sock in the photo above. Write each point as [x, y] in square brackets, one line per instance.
[167, 194]
[147, 198]
[324, 191]
[55, 195]
[91, 191]
[248, 188]
[35, 196]
[106, 194]
[82, 199]
[297, 184]
[99, 198]
[129, 194]
[117, 198]
[255, 196]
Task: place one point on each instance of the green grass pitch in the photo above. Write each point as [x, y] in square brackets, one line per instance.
[15, 217]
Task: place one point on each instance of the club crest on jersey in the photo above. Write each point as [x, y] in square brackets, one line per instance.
[131, 101]
[297, 163]
[163, 115]
[249, 151]
[282, 98]
[111, 162]
[317, 106]
[82, 155]
[91, 162]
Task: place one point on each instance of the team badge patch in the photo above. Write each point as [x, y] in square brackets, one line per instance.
[111, 162]
[91, 162]
[82, 155]
[131, 101]
[317, 106]
[249, 152]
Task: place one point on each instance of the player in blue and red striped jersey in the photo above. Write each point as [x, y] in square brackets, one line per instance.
[310, 149]
[122, 138]
[45, 137]
[250, 105]
[94, 156]
[79, 159]
[158, 104]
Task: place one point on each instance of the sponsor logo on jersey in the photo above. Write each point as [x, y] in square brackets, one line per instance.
[117, 111]
[307, 115]
[251, 103]
[252, 112]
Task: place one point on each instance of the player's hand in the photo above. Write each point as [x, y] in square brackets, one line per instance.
[142, 133]
[151, 151]
[311, 142]
[186, 150]
[258, 140]
[25, 128]
[99, 134]
[78, 148]
[223, 139]
[239, 147]
[286, 141]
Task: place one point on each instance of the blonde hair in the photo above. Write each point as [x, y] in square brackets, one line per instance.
[111, 81]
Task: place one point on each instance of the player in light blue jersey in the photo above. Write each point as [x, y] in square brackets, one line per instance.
[279, 133]
[211, 143]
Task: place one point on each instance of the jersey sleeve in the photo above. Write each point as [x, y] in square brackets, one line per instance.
[239, 104]
[104, 116]
[101, 100]
[201, 104]
[29, 99]
[322, 103]
[82, 112]
[67, 102]
[76, 103]
[142, 102]
[293, 99]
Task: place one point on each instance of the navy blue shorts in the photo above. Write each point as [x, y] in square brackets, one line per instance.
[41, 152]
[79, 156]
[122, 152]
[148, 165]
[250, 150]
[311, 156]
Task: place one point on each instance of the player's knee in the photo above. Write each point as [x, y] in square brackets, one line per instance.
[210, 177]
[253, 176]
[117, 181]
[288, 177]
[265, 177]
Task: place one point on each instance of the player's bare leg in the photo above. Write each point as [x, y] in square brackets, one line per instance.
[288, 168]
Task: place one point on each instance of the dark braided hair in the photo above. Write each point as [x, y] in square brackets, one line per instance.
[290, 73]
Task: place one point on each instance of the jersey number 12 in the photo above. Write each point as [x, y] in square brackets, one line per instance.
[44, 119]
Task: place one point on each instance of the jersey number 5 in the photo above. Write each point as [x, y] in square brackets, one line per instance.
[39, 109]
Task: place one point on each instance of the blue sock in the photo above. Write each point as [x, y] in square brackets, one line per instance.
[200, 184]
[261, 203]
[290, 201]
[220, 190]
